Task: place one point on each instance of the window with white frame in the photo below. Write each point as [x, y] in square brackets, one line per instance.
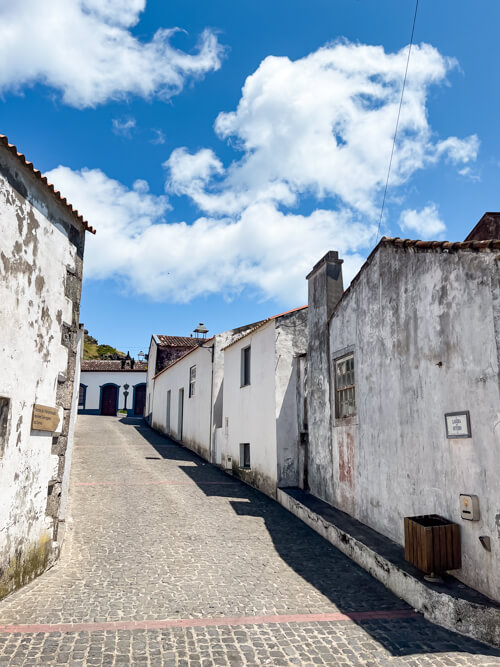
[245, 455]
[345, 389]
[192, 381]
[245, 366]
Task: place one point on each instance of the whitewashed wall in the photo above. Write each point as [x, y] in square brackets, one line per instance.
[94, 380]
[40, 244]
[153, 348]
[250, 412]
[196, 421]
[424, 328]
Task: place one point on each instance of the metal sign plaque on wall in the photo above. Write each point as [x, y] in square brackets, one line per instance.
[458, 424]
[44, 418]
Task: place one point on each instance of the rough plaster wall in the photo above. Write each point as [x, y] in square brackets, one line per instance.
[425, 343]
[319, 461]
[95, 379]
[69, 450]
[196, 422]
[40, 282]
[291, 341]
[250, 412]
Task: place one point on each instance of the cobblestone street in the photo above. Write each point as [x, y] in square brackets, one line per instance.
[168, 561]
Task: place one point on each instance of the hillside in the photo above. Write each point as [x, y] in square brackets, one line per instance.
[92, 349]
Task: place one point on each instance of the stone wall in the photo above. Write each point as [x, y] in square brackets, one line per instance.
[40, 283]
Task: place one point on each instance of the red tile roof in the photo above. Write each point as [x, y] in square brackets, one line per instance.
[52, 191]
[187, 353]
[178, 341]
[112, 365]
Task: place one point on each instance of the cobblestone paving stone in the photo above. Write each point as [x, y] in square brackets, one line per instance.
[156, 533]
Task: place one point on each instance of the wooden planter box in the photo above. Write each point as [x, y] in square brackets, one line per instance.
[432, 543]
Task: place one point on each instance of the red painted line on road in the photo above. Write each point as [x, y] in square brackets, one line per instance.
[334, 617]
[169, 483]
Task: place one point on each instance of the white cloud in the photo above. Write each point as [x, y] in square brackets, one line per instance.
[320, 127]
[426, 222]
[124, 126]
[263, 249]
[323, 126]
[84, 48]
[158, 137]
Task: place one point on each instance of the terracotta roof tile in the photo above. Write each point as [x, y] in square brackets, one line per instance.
[55, 193]
[436, 246]
[177, 341]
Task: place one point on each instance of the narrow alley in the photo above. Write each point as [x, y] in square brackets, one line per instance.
[169, 561]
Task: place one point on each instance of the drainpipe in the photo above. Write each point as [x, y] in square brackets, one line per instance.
[212, 408]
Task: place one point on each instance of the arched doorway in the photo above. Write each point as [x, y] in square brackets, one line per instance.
[109, 400]
[139, 398]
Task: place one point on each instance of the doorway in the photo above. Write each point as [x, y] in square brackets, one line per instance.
[109, 400]
[180, 415]
[139, 399]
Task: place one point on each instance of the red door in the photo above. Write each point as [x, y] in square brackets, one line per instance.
[109, 400]
[140, 399]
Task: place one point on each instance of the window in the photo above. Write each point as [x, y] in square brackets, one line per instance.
[82, 395]
[169, 398]
[192, 380]
[345, 391]
[245, 366]
[245, 455]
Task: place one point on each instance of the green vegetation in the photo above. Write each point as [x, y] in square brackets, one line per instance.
[92, 349]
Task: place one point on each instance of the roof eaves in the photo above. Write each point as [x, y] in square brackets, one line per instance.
[55, 193]
[396, 242]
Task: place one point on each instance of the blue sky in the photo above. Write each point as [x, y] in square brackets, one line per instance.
[212, 202]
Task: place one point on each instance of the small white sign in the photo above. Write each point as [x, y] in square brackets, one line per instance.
[458, 424]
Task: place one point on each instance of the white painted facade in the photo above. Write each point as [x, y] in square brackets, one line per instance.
[263, 413]
[188, 420]
[40, 280]
[93, 381]
[424, 328]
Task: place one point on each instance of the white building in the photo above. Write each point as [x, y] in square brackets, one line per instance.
[261, 430]
[186, 394]
[163, 350]
[42, 243]
[107, 386]
[403, 391]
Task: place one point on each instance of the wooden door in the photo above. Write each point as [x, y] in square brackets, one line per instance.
[140, 399]
[109, 400]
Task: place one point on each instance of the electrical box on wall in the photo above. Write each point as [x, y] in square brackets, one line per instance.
[469, 507]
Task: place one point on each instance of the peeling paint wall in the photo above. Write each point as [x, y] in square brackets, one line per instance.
[291, 343]
[41, 253]
[424, 329]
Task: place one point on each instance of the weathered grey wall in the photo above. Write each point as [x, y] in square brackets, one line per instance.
[291, 341]
[424, 327]
[41, 252]
[325, 289]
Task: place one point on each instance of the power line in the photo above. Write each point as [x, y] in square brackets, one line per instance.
[397, 121]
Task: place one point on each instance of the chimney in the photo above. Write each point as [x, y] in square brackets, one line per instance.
[487, 228]
[325, 289]
[325, 285]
